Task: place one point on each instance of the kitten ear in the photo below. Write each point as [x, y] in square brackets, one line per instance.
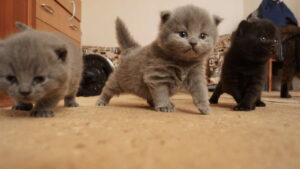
[217, 19]
[61, 53]
[243, 26]
[165, 16]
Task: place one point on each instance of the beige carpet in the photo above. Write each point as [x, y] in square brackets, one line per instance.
[128, 135]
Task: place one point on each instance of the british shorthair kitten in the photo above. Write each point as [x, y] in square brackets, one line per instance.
[41, 68]
[245, 65]
[174, 60]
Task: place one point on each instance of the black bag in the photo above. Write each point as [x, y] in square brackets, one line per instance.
[96, 71]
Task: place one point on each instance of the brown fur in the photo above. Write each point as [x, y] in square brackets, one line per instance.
[39, 67]
[290, 36]
[244, 69]
[155, 72]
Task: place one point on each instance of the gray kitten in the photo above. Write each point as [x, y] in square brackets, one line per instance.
[41, 68]
[175, 59]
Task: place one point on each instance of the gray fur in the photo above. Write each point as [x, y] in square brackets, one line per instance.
[30, 57]
[125, 41]
[22, 26]
[155, 72]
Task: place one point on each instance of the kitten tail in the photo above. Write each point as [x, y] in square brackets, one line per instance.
[124, 38]
[22, 26]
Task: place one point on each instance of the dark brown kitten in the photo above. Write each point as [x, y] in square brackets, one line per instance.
[290, 36]
[244, 69]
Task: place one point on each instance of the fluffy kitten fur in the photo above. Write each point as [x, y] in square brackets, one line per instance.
[244, 69]
[41, 68]
[175, 59]
[290, 36]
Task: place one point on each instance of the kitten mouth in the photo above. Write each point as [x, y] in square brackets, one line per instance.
[189, 50]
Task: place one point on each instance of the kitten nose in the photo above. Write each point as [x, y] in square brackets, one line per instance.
[193, 43]
[24, 92]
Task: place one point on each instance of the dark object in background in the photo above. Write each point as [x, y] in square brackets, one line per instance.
[245, 64]
[290, 36]
[96, 71]
[276, 11]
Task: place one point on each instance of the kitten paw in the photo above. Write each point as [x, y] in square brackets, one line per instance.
[42, 113]
[23, 107]
[213, 101]
[285, 96]
[260, 103]
[167, 108]
[101, 103]
[73, 104]
[204, 109]
[243, 108]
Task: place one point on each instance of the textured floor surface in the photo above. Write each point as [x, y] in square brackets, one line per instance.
[127, 134]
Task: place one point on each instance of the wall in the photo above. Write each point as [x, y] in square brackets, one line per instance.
[251, 5]
[142, 17]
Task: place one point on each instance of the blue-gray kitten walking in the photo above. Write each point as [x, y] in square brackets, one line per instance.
[41, 68]
[176, 59]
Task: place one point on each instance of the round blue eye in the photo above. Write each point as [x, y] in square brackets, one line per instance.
[183, 34]
[12, 79]
[39, 79]
[203, 36]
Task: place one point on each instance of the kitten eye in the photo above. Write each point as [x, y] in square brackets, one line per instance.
[203, 36]
[276, 41]
[12, 79]
[263, 39]
[39, 79]
[183, 34]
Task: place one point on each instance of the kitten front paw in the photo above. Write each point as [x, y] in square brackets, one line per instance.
[243, 108]
[42, 113]
[167, 108]
[72, 104]
[23, 107]
[101, 103]
[286, 96]
[204, 109]
[260, 103]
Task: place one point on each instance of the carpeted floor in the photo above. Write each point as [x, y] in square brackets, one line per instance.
[127, 134]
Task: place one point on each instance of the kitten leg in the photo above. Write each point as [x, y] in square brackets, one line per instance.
[236, 94]
[23, 106]
[110, 89]
[284, 92]
[161, 99]
[150, 102]
[260, 103]
[214, 99]
[196, 85]
[45, 106]
[248, 102]
[70, 101]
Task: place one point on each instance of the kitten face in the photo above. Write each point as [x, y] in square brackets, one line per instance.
[188, 33]
[29, 69]
[259, 36]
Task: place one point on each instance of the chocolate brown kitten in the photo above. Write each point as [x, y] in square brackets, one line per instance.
[245, 65]
[174, 60]
[41, 68]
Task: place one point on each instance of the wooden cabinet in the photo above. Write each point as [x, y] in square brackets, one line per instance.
[63, 16]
